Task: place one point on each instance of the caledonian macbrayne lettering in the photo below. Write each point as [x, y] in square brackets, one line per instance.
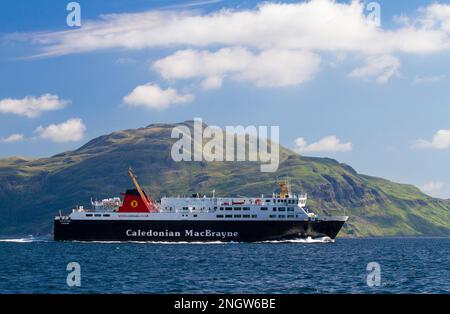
[187, 233]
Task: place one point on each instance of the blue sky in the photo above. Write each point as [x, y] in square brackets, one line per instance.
[382, 90]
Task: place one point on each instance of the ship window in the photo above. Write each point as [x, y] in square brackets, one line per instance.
[263, 208]
[184, 208]
[228, 216]
[215, 207]
[290, 209]
[195, 215]
[237, 208]
[219, 216]
[228, 208]
[281, 209]
[246, 216]
[246, 208]
[221, 208]
[281, 216]
[97, 215]
[254, 216]
[267, 201]
[88, 215]
[237, 216]
[106, 215]
[272, 216]
[274, 209]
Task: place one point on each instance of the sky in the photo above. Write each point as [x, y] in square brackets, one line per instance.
[337, 81]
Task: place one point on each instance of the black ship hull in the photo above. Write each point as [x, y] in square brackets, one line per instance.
[193, 231]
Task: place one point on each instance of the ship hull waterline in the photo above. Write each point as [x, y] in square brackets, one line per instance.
[194, 231]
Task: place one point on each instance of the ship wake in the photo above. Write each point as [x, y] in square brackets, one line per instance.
[303, 240]
[22, 240]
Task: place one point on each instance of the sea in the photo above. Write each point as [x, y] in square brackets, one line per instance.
[347, 265]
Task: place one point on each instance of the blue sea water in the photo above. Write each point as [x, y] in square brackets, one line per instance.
[407, 265]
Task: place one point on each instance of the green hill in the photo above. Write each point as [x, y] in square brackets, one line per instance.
[33, 190]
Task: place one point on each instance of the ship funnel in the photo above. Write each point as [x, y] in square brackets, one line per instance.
[285, 188]
[135, 200]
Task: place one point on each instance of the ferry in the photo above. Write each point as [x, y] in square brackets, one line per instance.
[199, 218]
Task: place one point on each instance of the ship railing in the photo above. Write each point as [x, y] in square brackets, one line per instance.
[200, 210]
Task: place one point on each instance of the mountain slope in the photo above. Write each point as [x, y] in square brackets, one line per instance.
[32, 190]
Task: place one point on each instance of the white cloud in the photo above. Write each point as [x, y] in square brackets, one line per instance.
[428, 79]
[436, 16]
[212, 82]
[319, 25]
[381, 68]
[271, 36]
[271, 67]
[193, 4]
[31, 106]
[152, 96]
[433, 188]
[71, 130]
[12, 138]
[440, 140]
[328, 144]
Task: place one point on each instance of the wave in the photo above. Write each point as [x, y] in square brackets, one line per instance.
[307, 240]
[23, 240]
[153, 242]
[303, 240]
[300, 240]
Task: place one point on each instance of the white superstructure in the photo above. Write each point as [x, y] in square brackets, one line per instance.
[283, 206]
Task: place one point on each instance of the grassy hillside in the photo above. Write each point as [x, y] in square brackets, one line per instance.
[33, 190]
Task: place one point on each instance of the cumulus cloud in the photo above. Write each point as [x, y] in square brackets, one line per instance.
[12, 138]
[71, 130]
[154, 97]
[433, 188]
[319, 25]
[380, 68]
[440, 140]
[436, 16]
[31, 106]
[328, 144]
[271, 67]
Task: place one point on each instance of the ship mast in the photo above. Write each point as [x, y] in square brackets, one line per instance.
[136, 184]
